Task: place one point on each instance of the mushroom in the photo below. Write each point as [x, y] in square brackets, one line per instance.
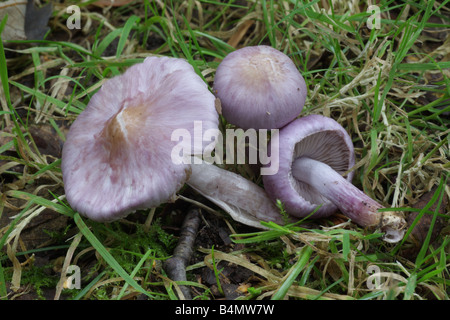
[259, 87]
[314, 154]
[118, 155]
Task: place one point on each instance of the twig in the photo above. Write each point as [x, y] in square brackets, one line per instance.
[176, 265]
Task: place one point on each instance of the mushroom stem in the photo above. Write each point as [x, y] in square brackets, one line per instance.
[352, 202]
[244, 200]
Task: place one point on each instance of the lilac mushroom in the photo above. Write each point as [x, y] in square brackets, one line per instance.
[117, 157]
[314, 154]
[259, 87]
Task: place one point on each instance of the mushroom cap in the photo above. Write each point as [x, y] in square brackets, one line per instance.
[259, 87]
[117, 155]
[319, 138]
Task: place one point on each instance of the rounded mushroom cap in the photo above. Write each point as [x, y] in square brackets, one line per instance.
[259, 87]
[117, 155]
[319, 138]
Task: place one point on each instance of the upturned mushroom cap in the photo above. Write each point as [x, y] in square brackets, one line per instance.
[316, 137]
[259, 87]
[117, 156]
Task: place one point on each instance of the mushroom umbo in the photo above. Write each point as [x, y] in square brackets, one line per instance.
[259, 87]
[117, 157]
[315, 152]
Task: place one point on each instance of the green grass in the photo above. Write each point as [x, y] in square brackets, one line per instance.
[373, 82]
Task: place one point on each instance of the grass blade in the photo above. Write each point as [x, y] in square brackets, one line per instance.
[135, 270]
[305, 254]
[3, 292]
[41, 201]
[125, 33]
[107, 256]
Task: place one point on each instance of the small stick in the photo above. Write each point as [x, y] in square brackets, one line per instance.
[176, 265]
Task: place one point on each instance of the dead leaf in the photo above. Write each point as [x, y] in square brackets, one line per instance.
[420, 231]
[218, 105]
[239, 34]
[15, 25]
[25, 20]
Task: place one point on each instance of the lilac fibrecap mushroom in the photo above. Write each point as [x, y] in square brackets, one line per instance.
[315, 153]
[117, 157]
[259, 87]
